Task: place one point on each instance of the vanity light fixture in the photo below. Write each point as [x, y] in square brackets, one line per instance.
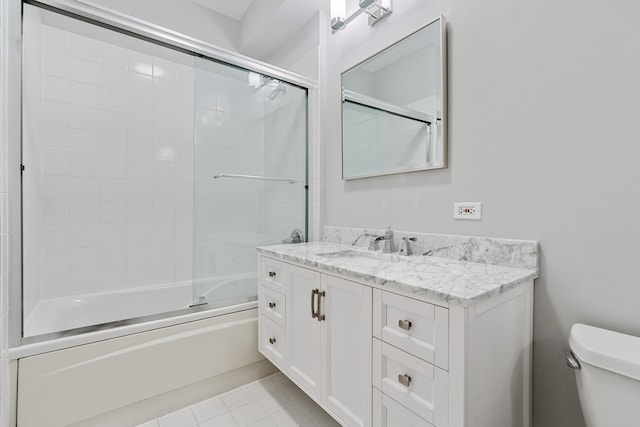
[376, 9]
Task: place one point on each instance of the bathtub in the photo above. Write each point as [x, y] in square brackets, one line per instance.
[68, 313]
[128, 374]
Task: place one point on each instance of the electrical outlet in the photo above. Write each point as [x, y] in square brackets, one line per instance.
[467, 210]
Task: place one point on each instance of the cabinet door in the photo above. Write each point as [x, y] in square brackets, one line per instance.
[303, 331]
[347, 358]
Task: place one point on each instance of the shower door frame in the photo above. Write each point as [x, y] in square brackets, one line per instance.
[172, 39]
[156, 34]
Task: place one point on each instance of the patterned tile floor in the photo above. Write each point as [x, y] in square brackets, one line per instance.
[271, 402]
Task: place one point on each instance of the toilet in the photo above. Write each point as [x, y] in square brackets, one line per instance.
[607, 368]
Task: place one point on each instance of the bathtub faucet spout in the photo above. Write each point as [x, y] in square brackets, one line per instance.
[296, 237]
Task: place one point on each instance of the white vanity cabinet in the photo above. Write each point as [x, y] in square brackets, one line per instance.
[326, 341]
[372, 357]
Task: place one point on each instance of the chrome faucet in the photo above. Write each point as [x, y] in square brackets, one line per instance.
[373, 243]
[296, 237]
[389, 245]
[405, 246]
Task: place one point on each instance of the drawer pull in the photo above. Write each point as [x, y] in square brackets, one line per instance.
[272, 274]
[320, 316]
[404, 379]
[314, 312]
[404, 324]
[272, 305]
[272, 341]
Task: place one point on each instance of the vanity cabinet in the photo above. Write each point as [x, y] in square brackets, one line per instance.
[371, 357]
[325, 345]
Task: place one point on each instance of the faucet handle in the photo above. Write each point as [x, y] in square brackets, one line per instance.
[405, 246]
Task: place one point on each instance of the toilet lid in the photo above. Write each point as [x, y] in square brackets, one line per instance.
[606, 349]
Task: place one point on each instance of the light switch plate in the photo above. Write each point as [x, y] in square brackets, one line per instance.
[467, 210]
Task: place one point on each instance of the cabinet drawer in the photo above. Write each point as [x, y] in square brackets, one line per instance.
[273, 274]
[389, 413]
[273, 343]
[416, 327]
[416, 384]
[273, 306]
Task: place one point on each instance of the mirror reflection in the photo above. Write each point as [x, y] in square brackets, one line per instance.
[393, 108]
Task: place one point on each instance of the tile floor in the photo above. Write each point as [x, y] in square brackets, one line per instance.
[271, 402]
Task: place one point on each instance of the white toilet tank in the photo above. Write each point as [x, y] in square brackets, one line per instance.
[608, 376]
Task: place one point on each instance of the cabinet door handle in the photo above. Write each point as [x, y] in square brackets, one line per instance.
[314, 313]
[272, 341]
[272, 274]
[319, 314]
[272, 305]
[404, 324]
[404, 379]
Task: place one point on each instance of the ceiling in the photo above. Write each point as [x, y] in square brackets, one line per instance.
[234, 9]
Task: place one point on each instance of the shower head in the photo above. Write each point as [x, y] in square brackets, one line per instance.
[280, 89]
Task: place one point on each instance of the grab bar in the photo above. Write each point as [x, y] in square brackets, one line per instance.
[261, 178]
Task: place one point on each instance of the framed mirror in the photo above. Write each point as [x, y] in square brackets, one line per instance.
[394, 107]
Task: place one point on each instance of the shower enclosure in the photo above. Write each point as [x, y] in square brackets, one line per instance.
[150, 174]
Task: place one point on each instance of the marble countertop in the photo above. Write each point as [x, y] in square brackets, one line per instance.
[448, 280]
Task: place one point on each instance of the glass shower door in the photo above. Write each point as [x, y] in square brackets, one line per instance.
[107, 190]
[250, 176]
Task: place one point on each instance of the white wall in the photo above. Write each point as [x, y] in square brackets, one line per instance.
[543, 111]
[300, 53]
[185, 17]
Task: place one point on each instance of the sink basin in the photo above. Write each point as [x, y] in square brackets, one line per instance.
[360, 258]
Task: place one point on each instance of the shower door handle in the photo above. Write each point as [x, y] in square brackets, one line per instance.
[314, 292]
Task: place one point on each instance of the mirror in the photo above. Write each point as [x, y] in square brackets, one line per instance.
[394, 107]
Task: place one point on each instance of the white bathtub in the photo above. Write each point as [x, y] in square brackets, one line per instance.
[63, 314]
[127, 374]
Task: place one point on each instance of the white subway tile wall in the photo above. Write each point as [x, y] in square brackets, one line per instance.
[109, 171]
